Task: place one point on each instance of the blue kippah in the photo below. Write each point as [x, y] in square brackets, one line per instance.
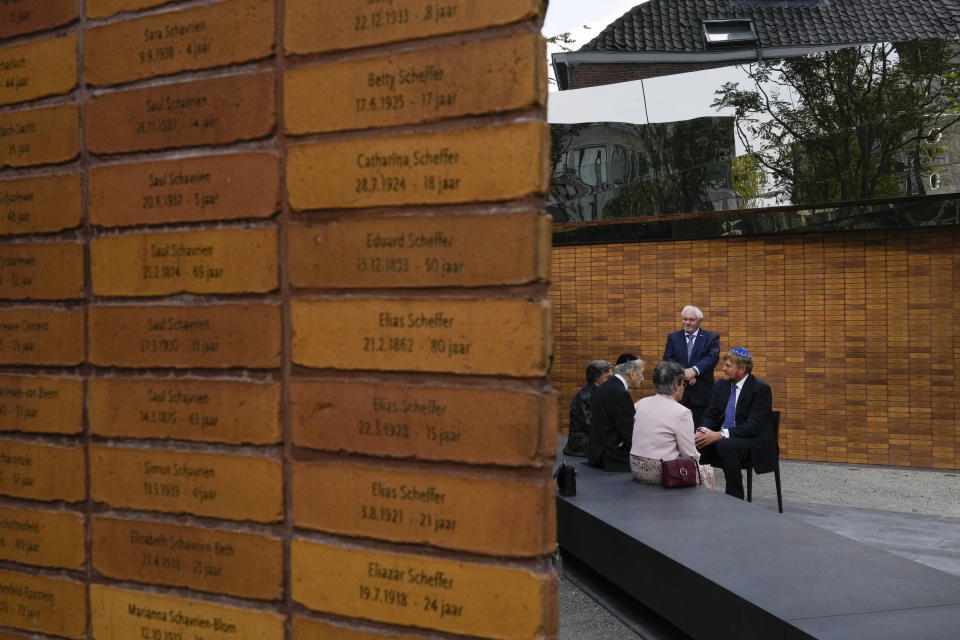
[742, 352]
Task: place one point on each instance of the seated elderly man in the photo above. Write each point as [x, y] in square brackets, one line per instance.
[611, 426]
[736, 425]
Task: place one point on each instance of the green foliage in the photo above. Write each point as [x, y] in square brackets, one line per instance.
[749, 181]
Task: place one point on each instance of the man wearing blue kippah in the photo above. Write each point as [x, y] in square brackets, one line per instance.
[736, 425]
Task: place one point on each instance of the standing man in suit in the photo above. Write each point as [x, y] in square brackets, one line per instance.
[736, 425]
[611, 426]
[697, 351]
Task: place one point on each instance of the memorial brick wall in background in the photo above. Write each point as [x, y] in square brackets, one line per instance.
[274, 331]
[855, 331]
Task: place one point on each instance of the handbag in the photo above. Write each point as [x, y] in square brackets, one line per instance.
[681, 472]
[566, 479]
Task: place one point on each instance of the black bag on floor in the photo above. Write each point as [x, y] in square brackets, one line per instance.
[566, 479]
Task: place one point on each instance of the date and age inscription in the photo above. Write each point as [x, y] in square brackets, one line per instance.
[381, 14]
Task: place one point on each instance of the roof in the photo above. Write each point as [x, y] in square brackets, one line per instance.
[675, 25]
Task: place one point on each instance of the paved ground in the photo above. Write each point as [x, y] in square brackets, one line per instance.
[914, 513]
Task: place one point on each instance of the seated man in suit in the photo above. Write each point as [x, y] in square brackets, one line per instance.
[736, 425]
[611, 426]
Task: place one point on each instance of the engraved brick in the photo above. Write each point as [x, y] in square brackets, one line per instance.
[44, 538]
[220, 187]
[326, 26]
[40, 136]
[47, 605]
[240, 564]
[41, 471]
[38, 271]
[40, 336]
[307, 629]
[216, 336]
[220, 261]
[223, 33]
[37, 205]
[455, 512]
[496, 163]
[38, 16]
[238, 107]
[465, 424]
[231, 411]
[41, 68]
[448, 595]
[509, 337]
[125, 613]
[422, 251]
[41, 404]
[417, 86]
[204, 484]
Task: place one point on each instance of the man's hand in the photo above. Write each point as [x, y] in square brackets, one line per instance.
[705, 437]
[690, 375]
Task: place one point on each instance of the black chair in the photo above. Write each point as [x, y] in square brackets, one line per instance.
[748, 465]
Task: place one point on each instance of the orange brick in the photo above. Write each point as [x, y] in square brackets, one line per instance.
[38, 16]
[41, 404]
[455, 336]
[41, 471]
[421, 251]
[40, 136]
[43, 538]
[497, 163]
[41, 271]
[217, 336]
[41, 336]
[465, 424]
[418, 86]
[47, 605]
[238, 107]
[447, 595]
[240, 564]
[220, 187]
[204, 484]
[41, 68]
[220, 261]
[210, 36]
[231, 411]
[328, 26]
[37, 205]
[307, 629]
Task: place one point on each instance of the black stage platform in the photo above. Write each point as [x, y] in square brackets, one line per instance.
[717, 567]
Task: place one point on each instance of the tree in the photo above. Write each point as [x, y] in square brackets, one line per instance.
[848, 124]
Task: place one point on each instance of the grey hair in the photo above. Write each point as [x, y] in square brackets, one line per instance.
[696, 310]
[625, 368]
[666, 377]
[596, 369]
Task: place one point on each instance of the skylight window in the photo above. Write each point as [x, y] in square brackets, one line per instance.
[728, 32]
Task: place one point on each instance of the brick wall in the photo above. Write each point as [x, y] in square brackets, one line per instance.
[856, 332]
[593, 75]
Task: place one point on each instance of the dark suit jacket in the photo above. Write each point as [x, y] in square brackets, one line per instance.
[610, 425]
[706, 352]
[752, 419]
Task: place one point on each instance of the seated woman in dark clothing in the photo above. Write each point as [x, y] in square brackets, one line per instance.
[580, 407]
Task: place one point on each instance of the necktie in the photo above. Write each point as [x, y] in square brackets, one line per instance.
[690, 337]
[729, 416]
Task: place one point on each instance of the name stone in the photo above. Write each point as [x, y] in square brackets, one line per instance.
[41, 471]
[441, 510]
[225, 33]
[39, 136]
[178, 336]
[38, 205]
[221, 261]
[56, 606]
[37, 15]
[220, 187]
[203, 484]
[41, 336]
[463, 424]
[240, 564]
[481, 337]
[43, 538]
[421, 251]
[197, 409]
[125, 613]
[239, 107]
[496, 163]
[327, 26]
[446, 595]
[42, 68]
[41, 271]
[41, 404]
[418, 86]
